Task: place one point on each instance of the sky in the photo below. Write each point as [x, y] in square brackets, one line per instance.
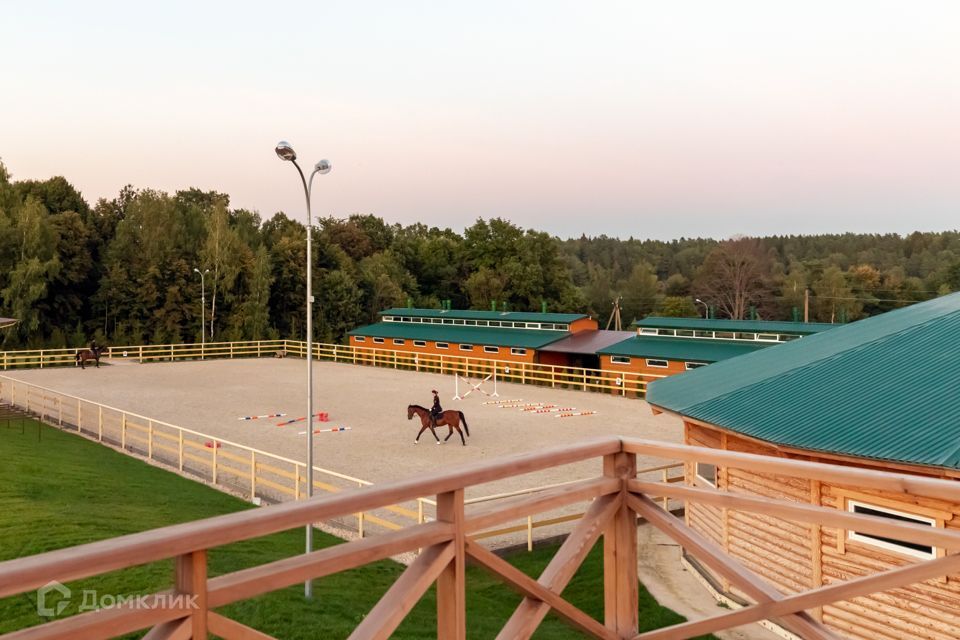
[636, 118]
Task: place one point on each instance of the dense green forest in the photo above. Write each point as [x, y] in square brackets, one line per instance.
[122, 270]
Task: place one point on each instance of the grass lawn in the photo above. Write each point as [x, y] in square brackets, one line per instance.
[63, 490]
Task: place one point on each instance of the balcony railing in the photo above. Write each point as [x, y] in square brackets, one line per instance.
[616, 499]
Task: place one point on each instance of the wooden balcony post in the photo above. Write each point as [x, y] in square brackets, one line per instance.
[451, 585]
[620, 553]
[191, 580]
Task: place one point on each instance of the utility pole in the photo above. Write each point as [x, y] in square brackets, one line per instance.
[615, 315]
[806, 304]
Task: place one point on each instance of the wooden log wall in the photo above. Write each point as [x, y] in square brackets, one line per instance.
[796, 557]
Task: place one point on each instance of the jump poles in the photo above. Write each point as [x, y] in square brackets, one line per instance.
[476, 387]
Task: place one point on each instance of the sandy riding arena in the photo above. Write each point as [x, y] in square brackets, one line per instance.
[210, 396]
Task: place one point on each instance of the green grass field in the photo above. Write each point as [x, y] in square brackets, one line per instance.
[63, 490]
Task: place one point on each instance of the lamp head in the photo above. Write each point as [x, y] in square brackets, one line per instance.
[285, 151]
[323, 167]
[700, 301]
[197, 270]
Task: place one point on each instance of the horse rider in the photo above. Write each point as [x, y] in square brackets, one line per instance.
[436, 411]
[93, 346]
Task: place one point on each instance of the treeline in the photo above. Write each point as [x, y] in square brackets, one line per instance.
[124, 271]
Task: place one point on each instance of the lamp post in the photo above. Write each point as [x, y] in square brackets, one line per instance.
[203, 308]
[706, 309]
[287, 154]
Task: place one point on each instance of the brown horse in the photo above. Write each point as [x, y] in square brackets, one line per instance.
[451, 419]
[88, 355]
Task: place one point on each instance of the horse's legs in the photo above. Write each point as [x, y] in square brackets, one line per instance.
[422, 429]
[460, 431]
[450, 433]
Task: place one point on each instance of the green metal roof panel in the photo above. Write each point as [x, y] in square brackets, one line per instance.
[884, 388]
[526, 338]
[747, 326]
[688, 349]
[467, 314]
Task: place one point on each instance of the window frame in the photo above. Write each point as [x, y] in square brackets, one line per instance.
[360, 338]
[698, 476]
[419, 343]
[874, 541]
[442, 345]
[696, 365]
[465, 347]
[487, 349]
[518, 351]
[399, 342]
[665, 365]
[378, 341]
[624, 360]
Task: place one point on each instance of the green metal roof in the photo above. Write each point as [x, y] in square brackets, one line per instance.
[746, 326]
[883, 388]
[688, 349]
[527, 338]
[466, 314]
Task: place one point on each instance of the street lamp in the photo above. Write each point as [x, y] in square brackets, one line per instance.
[287, 154]
[706, 309]
[203, 308]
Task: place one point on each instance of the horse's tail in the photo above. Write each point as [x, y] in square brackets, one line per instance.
[463, 419]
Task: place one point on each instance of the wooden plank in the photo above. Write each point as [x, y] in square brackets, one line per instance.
[509, 509]
[401, 597]
[232, 630]
[530, 588]
[624, 527]
[866, 585]
[173, 630]
[451, 582]
[864, 478]
[190, 578]
[801, 512]
[241, 585]
[561, 569]
[712, 555]
[103, 623]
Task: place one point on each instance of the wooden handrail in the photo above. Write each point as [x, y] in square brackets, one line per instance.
[616, 499]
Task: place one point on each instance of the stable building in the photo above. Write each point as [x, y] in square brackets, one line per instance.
[517, 336]
[7, 322]
[668, 346]
[880, 393]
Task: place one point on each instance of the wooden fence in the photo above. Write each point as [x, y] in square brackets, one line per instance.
[615, 499]
[256, 474]
[622, 383]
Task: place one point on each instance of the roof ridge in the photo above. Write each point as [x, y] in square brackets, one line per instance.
[813, 363]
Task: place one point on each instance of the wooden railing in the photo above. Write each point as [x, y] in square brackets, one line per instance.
[256, 474]
[615, 501]
[624, 383]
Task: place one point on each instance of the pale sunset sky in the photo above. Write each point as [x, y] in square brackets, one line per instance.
[635, 118]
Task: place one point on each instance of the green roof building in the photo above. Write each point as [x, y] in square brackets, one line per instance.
[884, 388]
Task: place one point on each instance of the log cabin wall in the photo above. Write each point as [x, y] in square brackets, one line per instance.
[795, 557]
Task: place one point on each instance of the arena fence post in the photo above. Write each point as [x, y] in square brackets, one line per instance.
[150, 440]
[123, 431]
[253, 475]
[214, 461]
[99, 424]
[180, 449]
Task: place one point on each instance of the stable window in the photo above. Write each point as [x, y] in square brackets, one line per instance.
[644, 331]
[359, 338]
[703, 334]
[491, 349]
[443, 345]
[517, 351]
[466, 347]
[657, 364]
[494, 323]
[924, 551]
[666, 332]
[378, 341]
[399, 341]
[723, 335]
[690, 366]
[684, 333]
[471, 323]
[419, 343]
[533, 325]
[767, 337]
[707, 473]
[406, 319]
[619, 360]
[389, 319]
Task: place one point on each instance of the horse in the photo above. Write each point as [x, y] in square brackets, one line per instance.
[86, 355]
[450, 418]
